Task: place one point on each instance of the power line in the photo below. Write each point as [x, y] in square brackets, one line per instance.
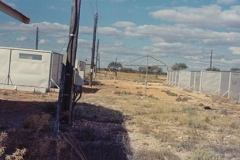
[97, 5]
[91, 7]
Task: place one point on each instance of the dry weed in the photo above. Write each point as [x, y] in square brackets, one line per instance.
[37, 122]
[17, 155]
[3, 137]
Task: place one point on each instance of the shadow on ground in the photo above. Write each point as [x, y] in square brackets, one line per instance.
[90, 90]
[99, 132]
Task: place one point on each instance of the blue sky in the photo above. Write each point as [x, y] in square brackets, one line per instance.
[172, 31]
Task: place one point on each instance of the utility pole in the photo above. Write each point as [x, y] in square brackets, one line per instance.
[93, 46]
[97, 57]
[146, 78]
[68, 89]
[37, 38]
[99, 61]
[211, 60]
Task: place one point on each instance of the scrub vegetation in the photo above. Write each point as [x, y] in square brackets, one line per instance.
[114, 121]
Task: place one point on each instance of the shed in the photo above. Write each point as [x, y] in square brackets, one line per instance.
[29, 70]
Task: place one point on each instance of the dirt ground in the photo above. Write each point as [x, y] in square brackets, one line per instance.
[115, 120]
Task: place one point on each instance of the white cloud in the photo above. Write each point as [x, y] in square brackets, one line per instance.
[124, 24]
[180, 34]
[23, 38]
[111, 32]
[56, 29]
[226, 1]
[62, 41]
[173, 42]
[235, 50]
[193, 58]
[118, 43]
[13, 5]
[52, 7]
[206, 16]
[43, 41]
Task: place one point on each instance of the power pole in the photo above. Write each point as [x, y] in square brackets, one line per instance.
[93, 46]
[68, 89]
[37, 38]
[99, 61]
[211, 60]
[146, 78]
[97, 57]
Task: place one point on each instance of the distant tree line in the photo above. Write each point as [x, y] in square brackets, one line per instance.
[151, 69]
[179, 66]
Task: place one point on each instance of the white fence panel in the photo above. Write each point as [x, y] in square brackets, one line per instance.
[234, 86]
[210, 82]
[192, 75]
[184, 79]
[173, 78]
[197, 79]
[176, 78]
[224, 84]
[169, 77]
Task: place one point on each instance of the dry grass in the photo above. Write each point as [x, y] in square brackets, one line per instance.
[159, 126]
[181, 125]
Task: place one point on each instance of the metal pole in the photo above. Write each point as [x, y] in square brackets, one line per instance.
[146, 79]
[59, 105]
[37, 38]
[211, 60]
[99, 62]
[93, 46]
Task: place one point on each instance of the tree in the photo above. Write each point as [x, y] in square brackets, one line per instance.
[179, 66]
[212, 69]
[155, 70]
[151, 70]
[115, 65]
[142, 69]
[235, 69]
[127, 70]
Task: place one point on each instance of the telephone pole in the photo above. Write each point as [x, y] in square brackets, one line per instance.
[37, 38]
[211, 60]
[68, 89]
[93, 46]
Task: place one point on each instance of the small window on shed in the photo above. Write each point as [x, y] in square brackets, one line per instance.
[30, 56]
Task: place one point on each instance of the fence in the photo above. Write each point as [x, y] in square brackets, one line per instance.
[224, 84]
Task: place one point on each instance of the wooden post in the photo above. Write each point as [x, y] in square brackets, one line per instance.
[67, 99]
[93, 47]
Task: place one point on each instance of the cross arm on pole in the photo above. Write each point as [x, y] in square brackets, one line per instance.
[13, 13]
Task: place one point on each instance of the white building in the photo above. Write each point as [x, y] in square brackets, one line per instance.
[29, 70]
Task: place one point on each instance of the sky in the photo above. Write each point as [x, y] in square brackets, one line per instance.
[172, 31]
